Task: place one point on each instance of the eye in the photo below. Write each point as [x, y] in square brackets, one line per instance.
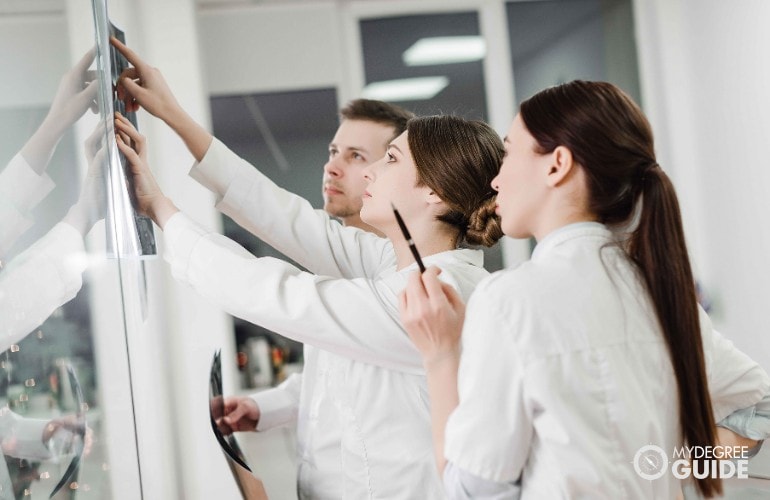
[390, 157]
[358, 156]
[332, 152]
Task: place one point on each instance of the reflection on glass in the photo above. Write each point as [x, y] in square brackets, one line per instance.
[52, 417]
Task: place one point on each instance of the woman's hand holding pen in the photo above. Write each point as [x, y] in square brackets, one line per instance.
[432, 313]
[150, 199]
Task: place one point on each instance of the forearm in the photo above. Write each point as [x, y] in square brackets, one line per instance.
[37, 151]
[196, 138]
[286, 221]
[442, 386]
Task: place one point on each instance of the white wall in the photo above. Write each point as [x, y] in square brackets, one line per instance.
[706, 74]
[269, 48]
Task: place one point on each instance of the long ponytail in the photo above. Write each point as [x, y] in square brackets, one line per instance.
[658, 247]
[611, 140]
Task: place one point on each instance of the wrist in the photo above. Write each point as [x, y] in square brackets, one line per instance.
[441, 359]
[161, 210]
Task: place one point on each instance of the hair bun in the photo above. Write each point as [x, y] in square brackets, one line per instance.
[484, 225]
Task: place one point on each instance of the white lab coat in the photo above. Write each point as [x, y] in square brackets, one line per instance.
[39, 280]
[565, 355]
[21, 189]
[364, 420]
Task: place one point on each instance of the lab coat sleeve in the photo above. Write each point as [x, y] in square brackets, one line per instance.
[279, 406]
[735, 381]
[21, 189]
[355, 318]
[39, 280]
[752, 422]
[489, 433]
[462, 485]
[23, 437]
[286, 221]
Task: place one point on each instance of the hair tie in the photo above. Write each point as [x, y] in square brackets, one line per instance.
[650, 168]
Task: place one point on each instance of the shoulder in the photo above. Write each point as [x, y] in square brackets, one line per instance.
[463, 270]
[512, 285]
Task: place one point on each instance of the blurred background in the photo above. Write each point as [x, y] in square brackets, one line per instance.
[268, 76]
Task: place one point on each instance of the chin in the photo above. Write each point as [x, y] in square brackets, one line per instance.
[368, 217]
[515, 232]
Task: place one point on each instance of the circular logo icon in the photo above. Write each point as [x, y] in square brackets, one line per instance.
[650, 462]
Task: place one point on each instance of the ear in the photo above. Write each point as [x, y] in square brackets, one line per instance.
[562, 164]
[431, 198]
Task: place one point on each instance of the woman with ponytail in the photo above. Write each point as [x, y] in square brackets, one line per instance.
[574, 362]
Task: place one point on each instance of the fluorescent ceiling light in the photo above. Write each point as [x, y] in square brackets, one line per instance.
[445, 50]
[408, 89]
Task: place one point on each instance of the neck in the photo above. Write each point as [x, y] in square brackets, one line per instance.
[567, 204]
[355, 221]
[428, 237]
[560, 218]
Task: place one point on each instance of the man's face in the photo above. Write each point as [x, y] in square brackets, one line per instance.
[356, 144]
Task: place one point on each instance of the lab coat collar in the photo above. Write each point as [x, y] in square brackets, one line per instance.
[569, 232]
[469, 256]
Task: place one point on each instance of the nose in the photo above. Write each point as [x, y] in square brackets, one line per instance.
[369, 173]
[495, 184]
[333, 168]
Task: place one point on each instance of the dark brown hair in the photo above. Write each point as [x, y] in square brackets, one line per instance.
[611, 140]
[457, 159]
[378, 112]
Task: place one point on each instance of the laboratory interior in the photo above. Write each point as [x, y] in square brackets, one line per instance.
[115, 361]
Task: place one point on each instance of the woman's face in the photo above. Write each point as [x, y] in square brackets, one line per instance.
[520, 183]
[392, 179]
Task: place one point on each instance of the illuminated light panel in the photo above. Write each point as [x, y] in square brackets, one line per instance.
[407, 89]
[445, 50]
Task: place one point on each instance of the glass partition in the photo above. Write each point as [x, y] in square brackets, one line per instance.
[66, 413]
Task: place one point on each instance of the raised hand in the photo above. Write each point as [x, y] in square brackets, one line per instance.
[76, 93]
[150, 200]
[144, 86]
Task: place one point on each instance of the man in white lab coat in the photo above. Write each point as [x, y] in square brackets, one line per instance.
[366, 128]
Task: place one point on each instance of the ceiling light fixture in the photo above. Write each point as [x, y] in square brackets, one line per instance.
[407, 89]
[445, 50]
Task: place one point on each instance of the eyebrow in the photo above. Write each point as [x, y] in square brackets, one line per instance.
[391, 145]
[352, 148]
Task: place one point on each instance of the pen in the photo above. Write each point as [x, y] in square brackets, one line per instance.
[409, 239]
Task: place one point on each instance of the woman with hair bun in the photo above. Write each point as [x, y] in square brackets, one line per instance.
[375, 421]
[575, 361]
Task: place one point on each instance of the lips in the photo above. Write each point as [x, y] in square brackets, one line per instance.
[332, 190]
[367, 194]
